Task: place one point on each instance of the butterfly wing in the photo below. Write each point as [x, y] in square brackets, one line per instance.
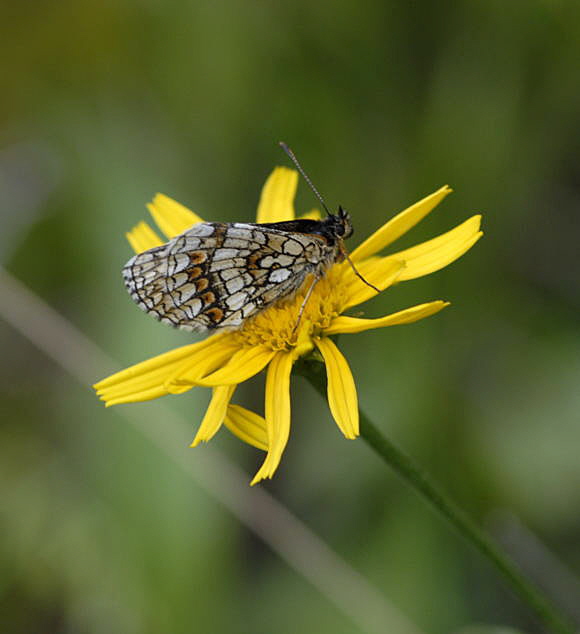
[218, 275]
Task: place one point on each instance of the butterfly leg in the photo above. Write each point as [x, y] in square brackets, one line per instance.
[315, 279]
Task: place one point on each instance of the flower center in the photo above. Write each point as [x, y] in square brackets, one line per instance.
[281, 327]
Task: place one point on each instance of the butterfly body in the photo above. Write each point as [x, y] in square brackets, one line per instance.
[218, 275]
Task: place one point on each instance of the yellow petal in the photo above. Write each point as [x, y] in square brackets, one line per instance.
[247, 426]
[171, 217]
[277, 199]
[437, 253]
[143, 368]
[243, 365]
[380, 272]
[277, 412]
[135, 396]
[138, 380]
[399, 225]
[199, 365]
[313, 214]
[130, 391]
[215, 414]
[349, 325]
[342, 397]
[142, 238]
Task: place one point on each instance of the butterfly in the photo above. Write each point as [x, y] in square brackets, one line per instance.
[218, 275]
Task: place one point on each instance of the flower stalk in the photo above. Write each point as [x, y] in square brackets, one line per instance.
[416, 477]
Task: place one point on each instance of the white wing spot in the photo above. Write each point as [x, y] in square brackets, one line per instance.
[178, 262]
[176, 281]
[235, 284]
[239, 231]
[259, 237]
[222, 265]
[202, 230]
[224, 254]
[284, 260]
[143, 257]
[279, 275]
[186, 292]
[293, 247]
[236, 300]
[195, 305]
[191, 243]
[267, 262]
[229, 274]
[235, 243]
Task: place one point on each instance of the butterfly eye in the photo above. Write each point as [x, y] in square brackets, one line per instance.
[344, 228]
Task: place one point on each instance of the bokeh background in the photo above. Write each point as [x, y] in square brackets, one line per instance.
[105, 103]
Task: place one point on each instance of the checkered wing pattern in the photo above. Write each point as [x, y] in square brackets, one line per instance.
[218, 275]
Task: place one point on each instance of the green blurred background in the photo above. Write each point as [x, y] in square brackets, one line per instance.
[104, 104]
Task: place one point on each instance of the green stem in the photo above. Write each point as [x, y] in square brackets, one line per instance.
[418, 479]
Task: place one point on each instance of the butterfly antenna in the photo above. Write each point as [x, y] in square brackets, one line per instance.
[304, 175]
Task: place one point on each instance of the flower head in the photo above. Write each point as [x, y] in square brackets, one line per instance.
[275, 338]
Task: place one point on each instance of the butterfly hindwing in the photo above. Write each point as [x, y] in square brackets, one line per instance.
[217, 275]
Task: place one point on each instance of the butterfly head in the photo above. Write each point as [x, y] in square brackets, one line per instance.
[339, 225]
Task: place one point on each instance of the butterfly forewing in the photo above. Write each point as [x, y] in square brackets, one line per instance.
[218, 275]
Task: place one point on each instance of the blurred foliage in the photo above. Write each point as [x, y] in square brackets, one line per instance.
[106, 103]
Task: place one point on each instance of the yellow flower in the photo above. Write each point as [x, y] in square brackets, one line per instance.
[271, 339]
